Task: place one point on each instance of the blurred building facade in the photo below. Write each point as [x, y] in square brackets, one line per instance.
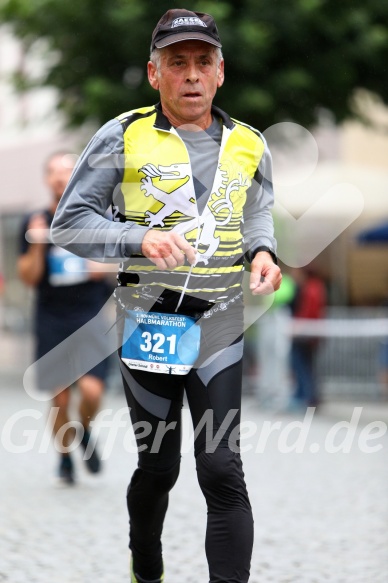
[323, 203]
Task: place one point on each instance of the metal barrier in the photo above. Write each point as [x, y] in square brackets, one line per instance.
[348, 363]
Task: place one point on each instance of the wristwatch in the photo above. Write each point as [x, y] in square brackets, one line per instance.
[265, 248]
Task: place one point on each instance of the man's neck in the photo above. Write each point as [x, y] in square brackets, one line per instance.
[197, 125]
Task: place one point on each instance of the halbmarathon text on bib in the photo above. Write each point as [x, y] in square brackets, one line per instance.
[161, 343]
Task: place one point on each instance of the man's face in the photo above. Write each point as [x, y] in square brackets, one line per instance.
[187, 80]
[57, 176]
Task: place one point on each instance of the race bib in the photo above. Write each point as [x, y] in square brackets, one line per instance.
[65, 268]
[162, 343]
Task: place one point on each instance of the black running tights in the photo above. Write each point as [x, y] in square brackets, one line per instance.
[214, 397]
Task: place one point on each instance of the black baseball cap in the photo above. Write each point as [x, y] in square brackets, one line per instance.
[178, 24]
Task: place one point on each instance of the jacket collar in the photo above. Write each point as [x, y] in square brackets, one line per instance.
[162, 123]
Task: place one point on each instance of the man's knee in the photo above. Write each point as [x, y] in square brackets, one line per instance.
[91, 388]
[221, 479]
[62, 398]
[154, 482]
[219, 470]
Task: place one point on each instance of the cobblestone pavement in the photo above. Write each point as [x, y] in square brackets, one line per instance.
[320, 515]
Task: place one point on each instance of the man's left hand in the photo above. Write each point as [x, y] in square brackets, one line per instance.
[266, 276]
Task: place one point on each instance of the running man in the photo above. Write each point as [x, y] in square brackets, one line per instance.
[191, 193]
[65, 300]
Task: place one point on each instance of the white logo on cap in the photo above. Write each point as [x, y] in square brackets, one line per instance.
[188, 21]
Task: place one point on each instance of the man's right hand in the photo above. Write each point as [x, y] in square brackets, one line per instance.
[38, 229]
[167, 249]
[31, 264]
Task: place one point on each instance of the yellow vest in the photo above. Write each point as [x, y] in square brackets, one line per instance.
[158, 191]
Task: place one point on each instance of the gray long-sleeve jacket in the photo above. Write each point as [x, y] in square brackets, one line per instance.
[116, 170]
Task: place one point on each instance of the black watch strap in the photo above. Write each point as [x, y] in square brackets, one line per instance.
[265, 248]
